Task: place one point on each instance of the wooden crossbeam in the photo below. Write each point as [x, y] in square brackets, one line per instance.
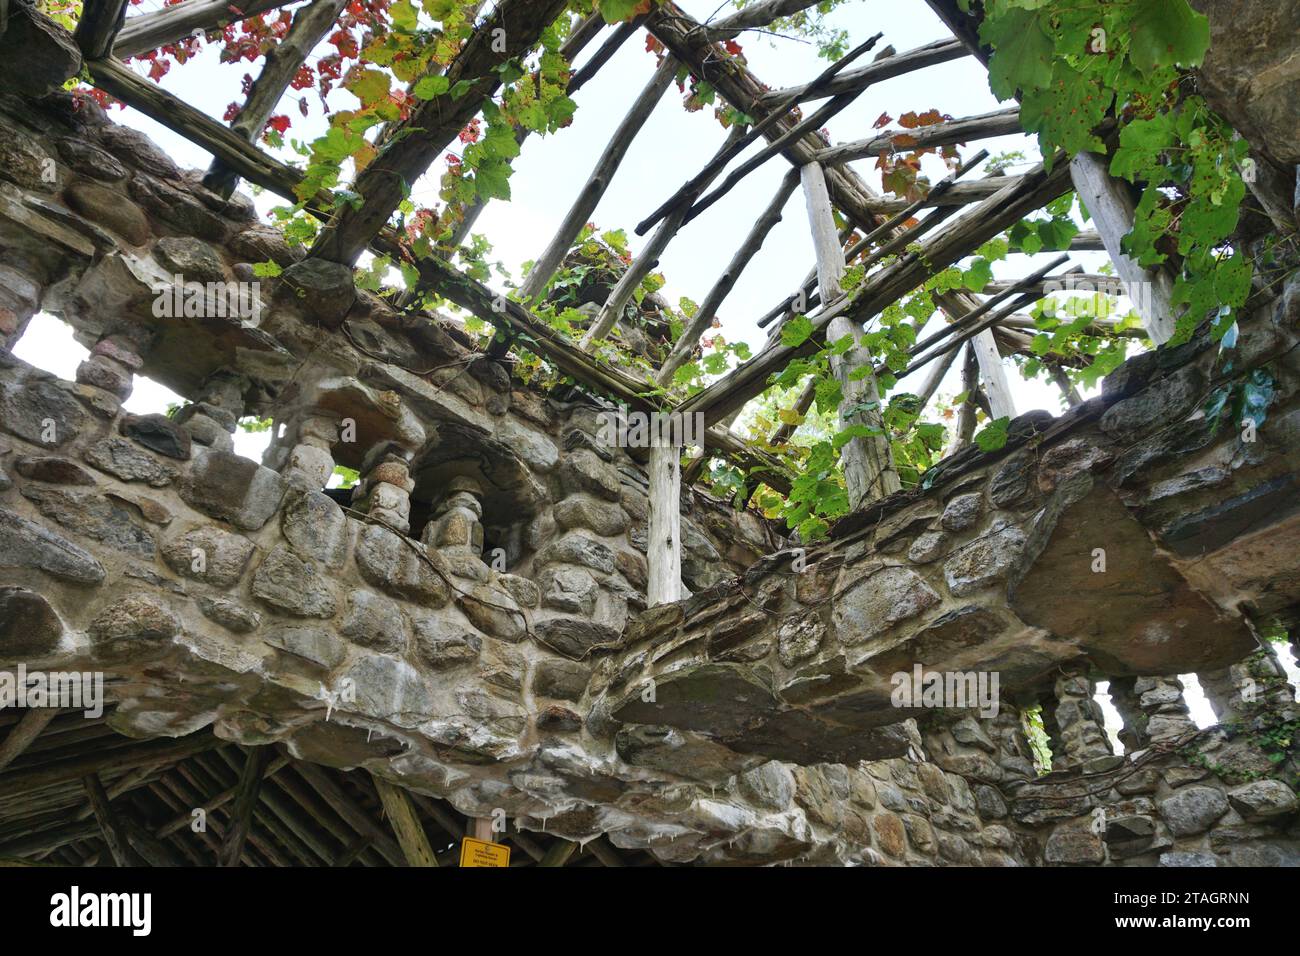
[131, 757]
[149, 31]
[947, 133]
[98, 26]
[900, 64]
[589, 196]
[509, 32]
[887, 285]
[703, 319]
[310, 25]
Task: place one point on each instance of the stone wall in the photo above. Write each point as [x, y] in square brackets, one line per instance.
[469, 620]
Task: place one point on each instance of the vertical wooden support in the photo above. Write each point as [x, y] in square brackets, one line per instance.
[406, 825]
[559, 853]
[993, 374]
[480, 828]
[109, 824]
[250, 786]
[664, 545]
[869, 469]
[1112, 209]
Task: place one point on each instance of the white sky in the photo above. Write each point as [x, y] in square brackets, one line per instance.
[673, 145]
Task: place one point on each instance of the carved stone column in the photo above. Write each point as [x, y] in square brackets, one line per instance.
[384, 491]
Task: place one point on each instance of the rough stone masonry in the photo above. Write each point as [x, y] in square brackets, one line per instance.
[469, 621]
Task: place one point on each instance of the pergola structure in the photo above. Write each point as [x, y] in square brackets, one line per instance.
[310, 815]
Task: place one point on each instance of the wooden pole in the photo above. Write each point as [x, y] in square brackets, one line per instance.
[1113, 210]
[703, 318]
[149, 31]
[869, 471]
[27, 729]
[598, 182]
[310, 24]
[250, 785]
[109, 824]
[628, 283]
[664, 536]
[406, 825]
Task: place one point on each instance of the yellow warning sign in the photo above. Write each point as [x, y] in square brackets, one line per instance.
[481, 853]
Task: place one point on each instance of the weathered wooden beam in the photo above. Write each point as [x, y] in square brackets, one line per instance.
[352, 813]
[961, 194]
[131, 757]
[869, 471]
[684, 38]
[183, 820]
[664, 535]
[993, 374]
[814, 121]
[406, 825]
[98, 27]
[509, 32]
[887, 285]
[622, 33]
[702, 321]
[28, 728]
[321, 852]
[582, 34]
[757, 14]
[250, 163]
[1111, 205]
[948, 133]
[546, 264]
[930, 54]
[45, 841]
[250, 786]
[310, 25]
[109, 825]
[559, 853]
[149, 31]
[612, 309]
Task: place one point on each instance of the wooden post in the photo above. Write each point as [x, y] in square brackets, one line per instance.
[559, 853]
[480, 828]
[111, 827]
[1112, 209]
[868, 463]
[250, 785]
[664, 538]
[994, 374]
[406, 825]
